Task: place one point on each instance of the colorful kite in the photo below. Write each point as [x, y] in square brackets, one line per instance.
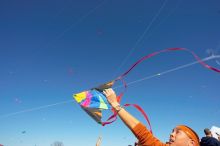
[93, 101]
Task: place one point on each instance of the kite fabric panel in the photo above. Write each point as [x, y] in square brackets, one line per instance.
[95, 113]
[93, 101]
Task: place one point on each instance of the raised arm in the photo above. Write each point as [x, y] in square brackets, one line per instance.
[144, 136]
[126, 117]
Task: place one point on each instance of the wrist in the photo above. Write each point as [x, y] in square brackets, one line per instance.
[118, 108]
[115, 104]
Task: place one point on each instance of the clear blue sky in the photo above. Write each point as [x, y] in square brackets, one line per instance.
[51, 49]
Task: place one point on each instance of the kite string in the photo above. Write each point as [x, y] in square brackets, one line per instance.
[137, 106]
[166, 50]
[164, 18]
[142, 35]
[128, 84]
[77, 22]
[36, 108]
[168, 71]
[114, 116]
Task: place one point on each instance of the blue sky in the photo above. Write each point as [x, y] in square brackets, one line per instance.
[53, 49]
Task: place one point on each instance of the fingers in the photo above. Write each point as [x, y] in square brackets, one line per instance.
[111, 97]
[108, 92]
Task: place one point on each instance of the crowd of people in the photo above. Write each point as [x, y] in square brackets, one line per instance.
[181, 135]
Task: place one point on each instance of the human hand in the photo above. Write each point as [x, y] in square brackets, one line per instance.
[111, 97]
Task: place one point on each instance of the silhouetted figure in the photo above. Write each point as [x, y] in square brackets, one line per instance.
[208, 140]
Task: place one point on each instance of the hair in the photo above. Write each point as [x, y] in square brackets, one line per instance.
[194, 133]
[190, 133]
[207, 131]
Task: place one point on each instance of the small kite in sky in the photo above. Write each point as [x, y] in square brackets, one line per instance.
[70, 71]
[17, 100]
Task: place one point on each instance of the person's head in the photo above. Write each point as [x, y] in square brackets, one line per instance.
[207, 132]
[183, 136]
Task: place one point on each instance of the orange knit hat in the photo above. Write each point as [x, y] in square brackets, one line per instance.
[190, 133]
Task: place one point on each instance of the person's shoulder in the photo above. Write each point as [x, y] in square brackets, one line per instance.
[204, 138]
[214, 139]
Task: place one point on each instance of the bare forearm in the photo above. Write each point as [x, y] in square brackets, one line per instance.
[126, 117]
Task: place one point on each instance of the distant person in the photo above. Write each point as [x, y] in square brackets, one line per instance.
[208, 140]
[180, 136]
